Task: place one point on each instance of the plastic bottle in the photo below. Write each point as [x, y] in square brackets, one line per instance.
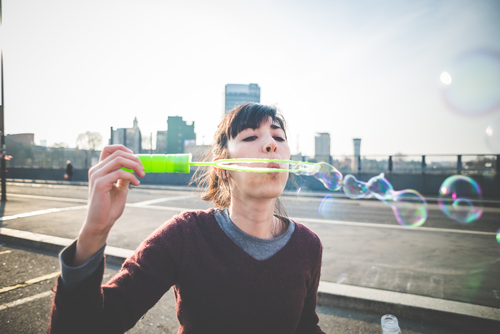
[390, 324]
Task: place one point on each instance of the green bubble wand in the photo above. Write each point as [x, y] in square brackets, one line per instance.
[181, 163]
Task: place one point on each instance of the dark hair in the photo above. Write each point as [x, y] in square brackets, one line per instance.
[245, 116]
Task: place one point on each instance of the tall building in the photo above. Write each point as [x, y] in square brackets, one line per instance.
[129, 137]
[24, 138]
[322, 146]
[177, 132]
[237, 94]
[161, 142]
[357, 153]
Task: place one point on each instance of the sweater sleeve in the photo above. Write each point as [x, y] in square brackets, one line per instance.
[118, 305]
[308, 323]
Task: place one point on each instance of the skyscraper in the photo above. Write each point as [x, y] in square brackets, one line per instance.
[322, 147]
[357, 154]
[237, 94]
[177, 132]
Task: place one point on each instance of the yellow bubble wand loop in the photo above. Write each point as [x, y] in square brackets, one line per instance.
[180, 163]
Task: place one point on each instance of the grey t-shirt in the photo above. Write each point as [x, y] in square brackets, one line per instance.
[260, 249]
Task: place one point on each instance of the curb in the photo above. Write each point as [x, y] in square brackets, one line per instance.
[429, 310]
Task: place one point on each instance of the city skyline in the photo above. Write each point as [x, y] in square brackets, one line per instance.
[369, 70]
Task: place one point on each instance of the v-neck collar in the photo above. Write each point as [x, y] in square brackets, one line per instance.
[242, 253]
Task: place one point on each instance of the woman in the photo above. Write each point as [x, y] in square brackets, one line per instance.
[242, 267]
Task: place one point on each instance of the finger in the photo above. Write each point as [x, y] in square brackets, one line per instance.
[118, 176]
[110, 149]
[119, 159]
[122, 184]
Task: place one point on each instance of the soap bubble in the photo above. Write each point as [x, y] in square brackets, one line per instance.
[498, 236]
[380, 187]
[304, 169]
[410, 208]
[303, 190]
[459, 199]
[493, 135]
[471, 82]
[353, 188]
[325, 206]
[329, 176]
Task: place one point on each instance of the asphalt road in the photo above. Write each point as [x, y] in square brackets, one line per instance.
[363, 243]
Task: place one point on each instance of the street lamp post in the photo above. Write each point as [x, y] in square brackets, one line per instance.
[2, 130]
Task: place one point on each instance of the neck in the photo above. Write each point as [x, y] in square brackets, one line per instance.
[254, 217]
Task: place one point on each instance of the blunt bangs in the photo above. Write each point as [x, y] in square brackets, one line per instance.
[252, 115]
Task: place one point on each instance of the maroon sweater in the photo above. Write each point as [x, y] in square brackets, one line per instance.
[219, 288]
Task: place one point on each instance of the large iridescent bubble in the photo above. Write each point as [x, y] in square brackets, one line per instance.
[460, 199]
[471, 82]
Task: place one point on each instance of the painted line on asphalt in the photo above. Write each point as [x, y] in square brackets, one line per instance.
[158, 207]
[49, 198]
[396, 227]
[25, 300]
[30, 282]
[42, 212]
[160, 200]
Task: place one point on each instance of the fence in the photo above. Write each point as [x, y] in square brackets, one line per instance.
[446, 164]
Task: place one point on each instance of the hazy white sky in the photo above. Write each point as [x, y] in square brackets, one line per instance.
[367, 69]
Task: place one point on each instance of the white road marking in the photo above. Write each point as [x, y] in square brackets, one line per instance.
[42, 212]
[49, 198]
[25, 300]
[159, 200]
[397, 227]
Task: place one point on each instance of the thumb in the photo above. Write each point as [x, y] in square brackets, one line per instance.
[122, 184]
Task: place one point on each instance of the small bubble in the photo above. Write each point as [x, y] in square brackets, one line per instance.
[325, 207]
[380, 187]
[329, 176]
[409, 207]
[353, 188]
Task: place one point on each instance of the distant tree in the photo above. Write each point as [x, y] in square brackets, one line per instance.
[89, 141]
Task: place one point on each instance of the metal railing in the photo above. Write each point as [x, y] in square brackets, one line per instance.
[465, 164]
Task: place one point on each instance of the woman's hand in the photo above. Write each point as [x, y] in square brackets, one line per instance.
[108, 189]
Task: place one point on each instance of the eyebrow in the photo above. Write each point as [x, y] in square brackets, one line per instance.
[275, 126]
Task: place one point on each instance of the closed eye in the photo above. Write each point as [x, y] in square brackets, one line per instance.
[279, 139]
[251, 138]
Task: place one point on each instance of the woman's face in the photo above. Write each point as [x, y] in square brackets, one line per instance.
[266, 142]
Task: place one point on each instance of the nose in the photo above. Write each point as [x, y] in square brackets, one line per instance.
[271, 146]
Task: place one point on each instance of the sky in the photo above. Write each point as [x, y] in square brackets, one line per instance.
[355, 69]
